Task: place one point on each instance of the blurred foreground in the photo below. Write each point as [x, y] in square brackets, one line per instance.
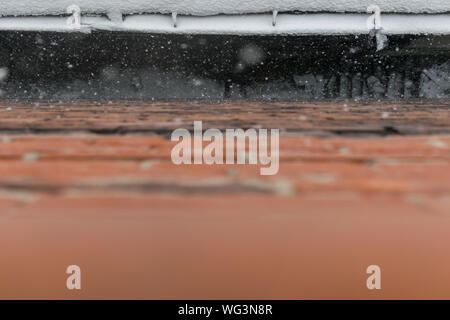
[93, 185]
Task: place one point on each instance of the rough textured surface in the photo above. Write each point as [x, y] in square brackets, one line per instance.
[212, 7]
[343, 118]
[141, 227]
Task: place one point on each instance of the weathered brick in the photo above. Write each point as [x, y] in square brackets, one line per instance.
[141, 227]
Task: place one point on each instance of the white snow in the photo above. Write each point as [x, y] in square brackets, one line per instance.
[213, 7]
[260, 24]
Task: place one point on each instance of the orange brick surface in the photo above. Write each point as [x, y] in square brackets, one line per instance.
[142, 228]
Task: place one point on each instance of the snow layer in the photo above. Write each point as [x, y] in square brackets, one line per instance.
[305, 24]
[213, 7]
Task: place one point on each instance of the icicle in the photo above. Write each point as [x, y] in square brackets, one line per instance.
[274, 18]
[74, 21]
[382, 40]
[174, 19]
[374, 25]
[374, 21]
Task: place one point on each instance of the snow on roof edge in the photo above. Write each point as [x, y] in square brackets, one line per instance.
[215, 7]
[286, 24]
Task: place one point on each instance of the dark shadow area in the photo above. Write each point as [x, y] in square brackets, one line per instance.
[111, 66]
